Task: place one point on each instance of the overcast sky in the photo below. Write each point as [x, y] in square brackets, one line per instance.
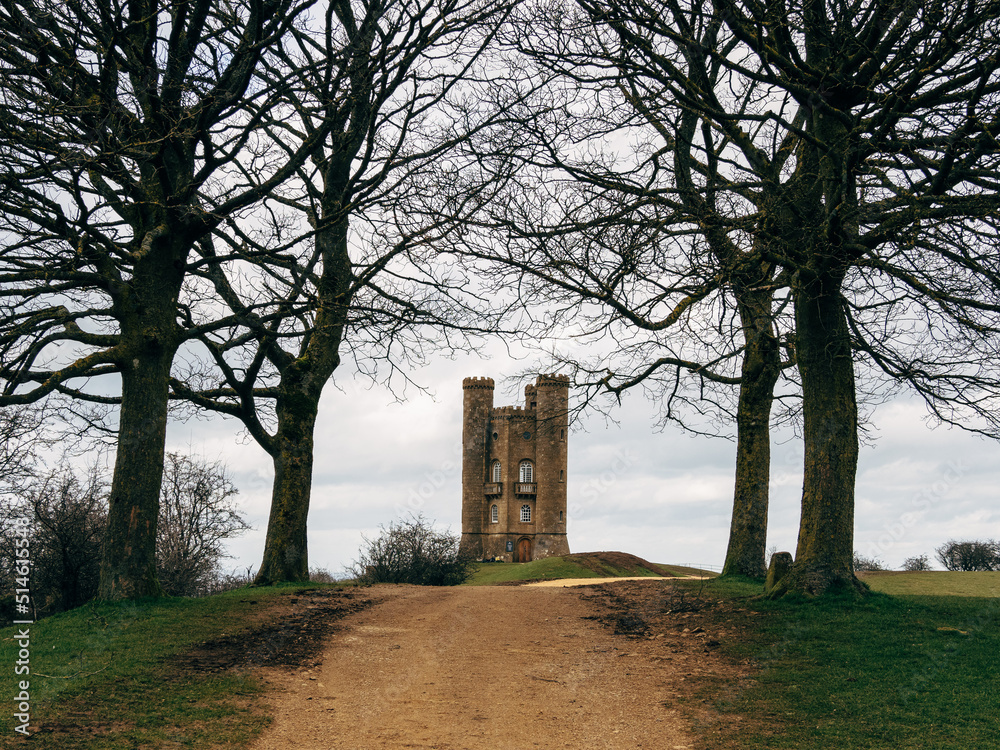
[665, 496]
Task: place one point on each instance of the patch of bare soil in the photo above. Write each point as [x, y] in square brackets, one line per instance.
[620, 665]
[292, 634]
[685, 629]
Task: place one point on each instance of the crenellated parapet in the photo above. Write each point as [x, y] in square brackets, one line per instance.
[478, 383]
[556, 381]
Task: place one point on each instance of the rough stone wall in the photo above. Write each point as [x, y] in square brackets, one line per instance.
[552, 459]
[501, 436]
[477, 409]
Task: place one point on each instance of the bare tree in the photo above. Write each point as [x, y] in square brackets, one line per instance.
[125, 130]
[859, 144]
[342, 269]
[846, 150]
[22, 433]
[197, 515]
[603, 204]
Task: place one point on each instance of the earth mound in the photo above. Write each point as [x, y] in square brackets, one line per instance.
[617, 564]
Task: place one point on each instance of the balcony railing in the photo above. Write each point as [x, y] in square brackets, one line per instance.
[526, 488]
[492, 488]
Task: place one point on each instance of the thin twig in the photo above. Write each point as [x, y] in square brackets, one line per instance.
[71, 676]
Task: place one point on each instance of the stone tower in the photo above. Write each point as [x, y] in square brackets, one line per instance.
[514, 471]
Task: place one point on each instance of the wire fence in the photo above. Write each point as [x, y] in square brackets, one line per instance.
[701, 566]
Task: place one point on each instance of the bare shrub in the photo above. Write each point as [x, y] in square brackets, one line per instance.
[66, 512]
[321, 575]
[917, 563]
[867, 563]
[67, 515]
[412, 552]
[228, 581]
[979, 554]
[197, 515]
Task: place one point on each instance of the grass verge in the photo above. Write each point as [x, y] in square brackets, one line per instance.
[901, 672]
[105, 677]
[935, 583]
[546, 569]
[582, 565]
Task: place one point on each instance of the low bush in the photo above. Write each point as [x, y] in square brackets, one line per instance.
[917, 563]
[414, 552]
[867, 563]
[978, 554]
[321, 575]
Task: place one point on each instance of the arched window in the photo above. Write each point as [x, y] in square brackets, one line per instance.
[496, 471]
[527, 473]
[494, 514]
[525, 513]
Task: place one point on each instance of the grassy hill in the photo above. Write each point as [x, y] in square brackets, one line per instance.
[583, 565]
[934, 583]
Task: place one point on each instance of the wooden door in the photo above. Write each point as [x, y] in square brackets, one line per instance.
[522, 552]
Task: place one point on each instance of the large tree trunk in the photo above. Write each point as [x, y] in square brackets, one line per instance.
[824, 555]
[285, 548]
[146, 310]
[302, 381]
[761, 365]
[128, 553]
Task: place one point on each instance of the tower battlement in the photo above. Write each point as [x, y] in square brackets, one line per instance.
[560, 381]
[485, 383]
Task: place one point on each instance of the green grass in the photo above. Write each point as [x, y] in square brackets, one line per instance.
[936, 583]
[903, 672]
[545, 569]
[682, 570]
[585, 565]
[101, 676]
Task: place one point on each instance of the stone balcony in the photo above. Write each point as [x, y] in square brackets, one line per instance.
[492, 488]
[526, 488]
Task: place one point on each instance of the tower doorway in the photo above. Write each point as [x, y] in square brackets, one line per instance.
[522, 552]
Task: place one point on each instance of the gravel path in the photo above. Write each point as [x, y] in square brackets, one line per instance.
[477, 668]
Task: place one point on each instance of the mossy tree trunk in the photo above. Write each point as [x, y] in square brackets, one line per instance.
[286, 555]
[825, 549]
[745, 554]
[285, 547]
[822, 233]
[128, 552]
[146, 310]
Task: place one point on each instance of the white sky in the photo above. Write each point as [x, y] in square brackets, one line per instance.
[665, 496]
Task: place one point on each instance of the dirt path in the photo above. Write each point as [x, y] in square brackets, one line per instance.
[477, 668]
